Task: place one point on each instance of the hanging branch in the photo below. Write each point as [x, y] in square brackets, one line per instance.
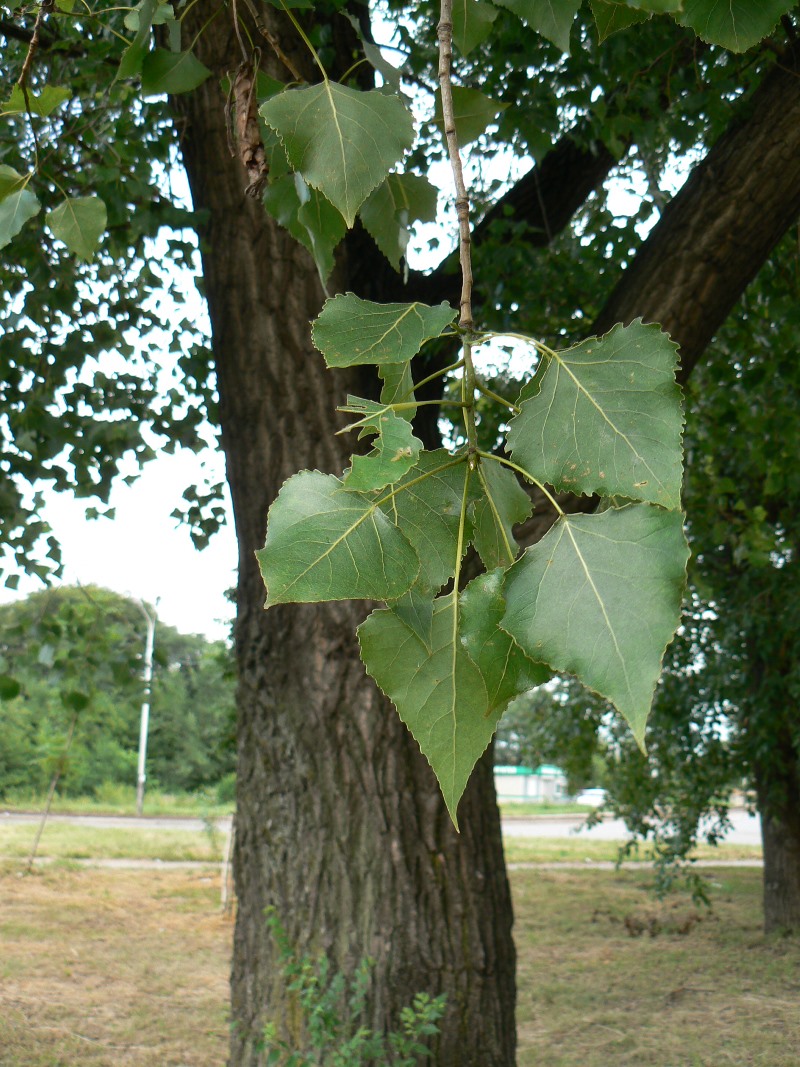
[445, 35]
[468, 383]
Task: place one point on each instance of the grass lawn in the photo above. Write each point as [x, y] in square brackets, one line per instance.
[121, 800]
[577, 849]
[70, 841]
[116, 968]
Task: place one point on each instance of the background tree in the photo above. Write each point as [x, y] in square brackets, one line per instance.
[366, 862]
[69, 650]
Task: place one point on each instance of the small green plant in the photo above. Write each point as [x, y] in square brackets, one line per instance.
[327, 1024]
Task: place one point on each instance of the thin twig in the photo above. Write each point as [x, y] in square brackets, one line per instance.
[445, 35]
[45, 9]
[54, 782]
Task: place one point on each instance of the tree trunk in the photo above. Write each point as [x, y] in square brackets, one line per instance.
[780, 834]
[340, 823]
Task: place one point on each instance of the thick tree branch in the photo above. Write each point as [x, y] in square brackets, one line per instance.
[712, 239]
[719, 230]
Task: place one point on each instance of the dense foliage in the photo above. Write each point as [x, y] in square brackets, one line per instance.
[76, 653]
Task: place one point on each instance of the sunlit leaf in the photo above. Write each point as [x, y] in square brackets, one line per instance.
[395, 448]
[43, 103]
[599, 596]
[734, 24]
[15, 210]
[11, 181]
[472, 23]
[351, 331]
[605, 417]
[552, 18]
[344, 142]
[438, 692]
[166, 72]
[80, 223]
[507, 672]
[325, 543]
[162, 14]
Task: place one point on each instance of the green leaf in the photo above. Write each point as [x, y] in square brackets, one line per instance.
[611, 17]
[429, 514]
[391, 75]
[415, 609]
[80, 223]
[502, 504]
[398, 385]
[166, 72]
[735, 24]
[133, 56]
[351, 331]
[599, 596]
[162, 14]
[9, 687]
[11, 181]
[507, 671]
[472, 23]
[552, 18]
[473, 112]
[15, 210]
[75, 700]
[605, 417]
[43, 104]
[395, 451]
[325, 543]
[391, 210]
[344, 142]
[308, 217]
[439, 693]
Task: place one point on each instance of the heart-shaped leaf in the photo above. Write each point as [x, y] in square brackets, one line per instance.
[325, 543]
[15, 210]
[351, 331]
[166, 72]
[599, 596]
[507, 671]
[735, 24]
[344, 142]
[438, 692]
[80, 223]
[551, 18]
[605, 417]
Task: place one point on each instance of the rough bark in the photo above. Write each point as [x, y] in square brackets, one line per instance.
[340, 824]
[715, 235]
[778, 793]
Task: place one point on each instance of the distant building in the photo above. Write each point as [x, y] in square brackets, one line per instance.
[546, 783]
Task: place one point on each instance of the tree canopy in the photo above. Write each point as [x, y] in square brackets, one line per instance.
[671, 91]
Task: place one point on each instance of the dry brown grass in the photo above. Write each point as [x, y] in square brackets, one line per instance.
[113, 969]
[108, 968]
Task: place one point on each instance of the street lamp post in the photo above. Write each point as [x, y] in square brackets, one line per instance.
[147, 677]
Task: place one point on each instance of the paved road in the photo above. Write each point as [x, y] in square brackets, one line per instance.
[745, 830]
